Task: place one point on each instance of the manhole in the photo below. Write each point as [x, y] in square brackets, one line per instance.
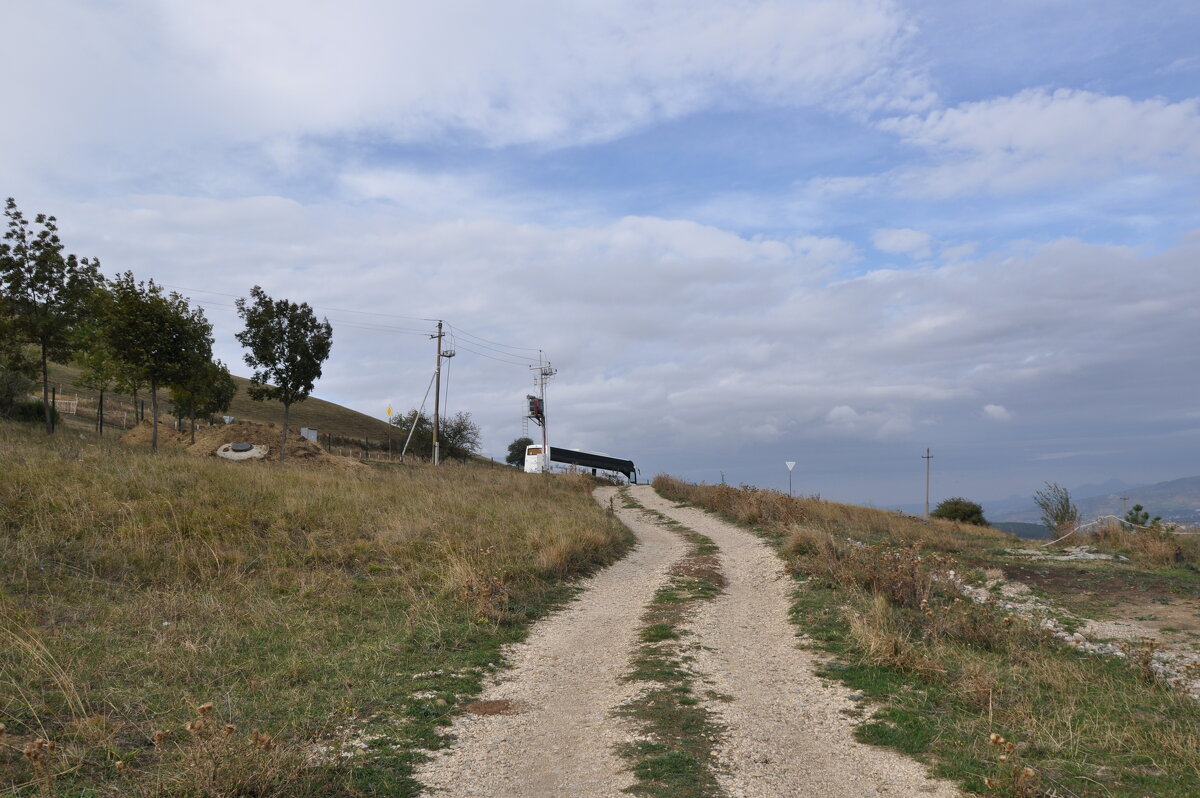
[242, 451]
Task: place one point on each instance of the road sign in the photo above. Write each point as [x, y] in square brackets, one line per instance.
[790, 464]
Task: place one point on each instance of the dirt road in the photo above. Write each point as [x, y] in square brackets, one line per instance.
[786, 731]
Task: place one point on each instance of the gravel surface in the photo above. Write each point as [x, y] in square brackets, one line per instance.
[787, 731]
[559, 735]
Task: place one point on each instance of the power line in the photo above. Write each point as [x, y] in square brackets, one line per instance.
[521, 363]
[461, 331]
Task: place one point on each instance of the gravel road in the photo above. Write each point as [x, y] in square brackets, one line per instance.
[563, 686]
[786, 731]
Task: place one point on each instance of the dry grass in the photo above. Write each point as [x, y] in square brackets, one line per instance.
[996, 702]
[797, 517]
[1156, 547]
[134, 587]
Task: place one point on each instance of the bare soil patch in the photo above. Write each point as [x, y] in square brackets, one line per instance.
[498, 707]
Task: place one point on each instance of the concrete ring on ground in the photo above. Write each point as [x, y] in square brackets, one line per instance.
[230, 451]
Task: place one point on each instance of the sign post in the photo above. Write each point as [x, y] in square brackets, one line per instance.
[790, 464]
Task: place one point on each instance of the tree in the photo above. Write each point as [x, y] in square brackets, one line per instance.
[16, 369]
[206, 391]
[516, 452]
[287, 347]
[47, 293]
[1059, 514]
[1138, 516]
[460, 436]
[419, 442]
[960, 509]
[158, 336]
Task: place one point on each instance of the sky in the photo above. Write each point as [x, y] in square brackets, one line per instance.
[835, 232]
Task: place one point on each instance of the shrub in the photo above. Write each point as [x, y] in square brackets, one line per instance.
[1059, 513]
[960, 509]
[30, 411]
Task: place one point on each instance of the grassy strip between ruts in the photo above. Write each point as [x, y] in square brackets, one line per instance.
[987, 699]
[673, 757]
[182, 626]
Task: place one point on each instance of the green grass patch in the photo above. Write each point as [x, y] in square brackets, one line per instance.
[675, 761]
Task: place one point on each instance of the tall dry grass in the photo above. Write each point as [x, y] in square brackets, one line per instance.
[794, 517]
[134, 587]
[1004, 706]
[1154, 547]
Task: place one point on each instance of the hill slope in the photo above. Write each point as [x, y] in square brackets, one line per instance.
[324, 416]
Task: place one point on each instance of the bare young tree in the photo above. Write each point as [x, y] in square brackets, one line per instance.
[1059, 514]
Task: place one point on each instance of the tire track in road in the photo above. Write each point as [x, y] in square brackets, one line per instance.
[563, 688]
[787, 732]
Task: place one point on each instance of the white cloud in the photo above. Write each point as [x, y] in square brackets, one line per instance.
[997, 413]
[171, 82]
[1037, 138]
[902, 241]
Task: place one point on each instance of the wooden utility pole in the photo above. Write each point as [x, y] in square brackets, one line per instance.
[928, 458]
[437, 378]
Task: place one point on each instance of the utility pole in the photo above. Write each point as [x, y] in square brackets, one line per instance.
[544, 373]
[928, 458]
[437, 378]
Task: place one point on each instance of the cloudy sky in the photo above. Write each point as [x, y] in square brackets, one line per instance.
[830, 231]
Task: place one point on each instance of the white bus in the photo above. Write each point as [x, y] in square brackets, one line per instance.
[538, 460]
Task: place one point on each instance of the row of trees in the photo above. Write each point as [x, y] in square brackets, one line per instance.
[132, 336]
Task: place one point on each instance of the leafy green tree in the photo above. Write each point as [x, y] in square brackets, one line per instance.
[460, 436]
[1138, 516]
[158, 336]
[46, 293]
[205, 391]
[287, 347]
[516, 452]
[1059, 513]
[16, 369]
[960, 509]
[420, 443]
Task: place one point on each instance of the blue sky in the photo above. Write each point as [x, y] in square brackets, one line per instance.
[829, 232]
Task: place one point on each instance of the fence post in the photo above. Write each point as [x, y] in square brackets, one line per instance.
[100, 414]
[54, 408]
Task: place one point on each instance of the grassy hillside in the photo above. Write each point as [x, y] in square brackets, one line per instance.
[324, 416]
[173, 625]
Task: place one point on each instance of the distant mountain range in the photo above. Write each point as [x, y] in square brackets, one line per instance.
[1176, 500]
